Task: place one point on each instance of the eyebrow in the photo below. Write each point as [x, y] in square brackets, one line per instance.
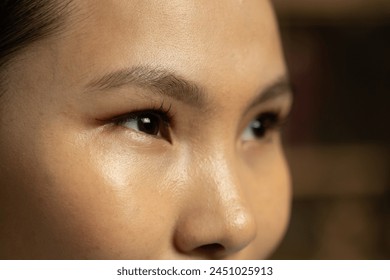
[157, 80]
[165, 82]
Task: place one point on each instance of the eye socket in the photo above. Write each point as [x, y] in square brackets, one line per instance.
[154, 123]
[261, 126]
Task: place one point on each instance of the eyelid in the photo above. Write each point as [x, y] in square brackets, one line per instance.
[281, 104]
[163, 110]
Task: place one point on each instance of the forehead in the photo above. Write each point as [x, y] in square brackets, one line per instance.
[210, 41]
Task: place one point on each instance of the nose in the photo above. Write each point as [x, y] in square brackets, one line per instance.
[216, 221]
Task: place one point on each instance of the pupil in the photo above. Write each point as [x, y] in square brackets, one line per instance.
[264, 122]
[148, 124]
[258, 128]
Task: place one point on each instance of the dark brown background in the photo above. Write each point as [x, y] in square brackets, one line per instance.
[337, 141]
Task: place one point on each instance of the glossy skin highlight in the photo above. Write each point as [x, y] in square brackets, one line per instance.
[76, 184]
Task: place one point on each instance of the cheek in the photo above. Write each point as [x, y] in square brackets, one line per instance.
[114, 195]
[82, 198]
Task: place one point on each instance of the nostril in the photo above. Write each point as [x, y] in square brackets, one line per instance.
[210, 249]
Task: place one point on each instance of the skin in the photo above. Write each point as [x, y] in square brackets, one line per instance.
[75, 185]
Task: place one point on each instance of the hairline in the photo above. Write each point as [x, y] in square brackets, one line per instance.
[54, 24]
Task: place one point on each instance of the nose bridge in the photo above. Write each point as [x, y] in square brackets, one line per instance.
[220, 175]
[219, 213]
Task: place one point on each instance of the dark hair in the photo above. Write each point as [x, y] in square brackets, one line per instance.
[23, 22]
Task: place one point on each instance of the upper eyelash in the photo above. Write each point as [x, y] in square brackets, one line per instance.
[165, 114]
[276, 125]
[280, 120]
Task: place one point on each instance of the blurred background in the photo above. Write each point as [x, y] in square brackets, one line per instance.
[337, 141]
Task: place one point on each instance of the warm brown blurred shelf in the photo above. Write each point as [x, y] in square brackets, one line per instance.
[334, 11]
[339, 170]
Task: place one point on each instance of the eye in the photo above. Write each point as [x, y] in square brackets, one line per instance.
[154, 123]
[261, 126]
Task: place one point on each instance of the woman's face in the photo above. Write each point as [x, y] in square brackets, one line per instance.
[146, 130]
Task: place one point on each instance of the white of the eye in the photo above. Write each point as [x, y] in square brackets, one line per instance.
[247, 134]
[131, 123]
